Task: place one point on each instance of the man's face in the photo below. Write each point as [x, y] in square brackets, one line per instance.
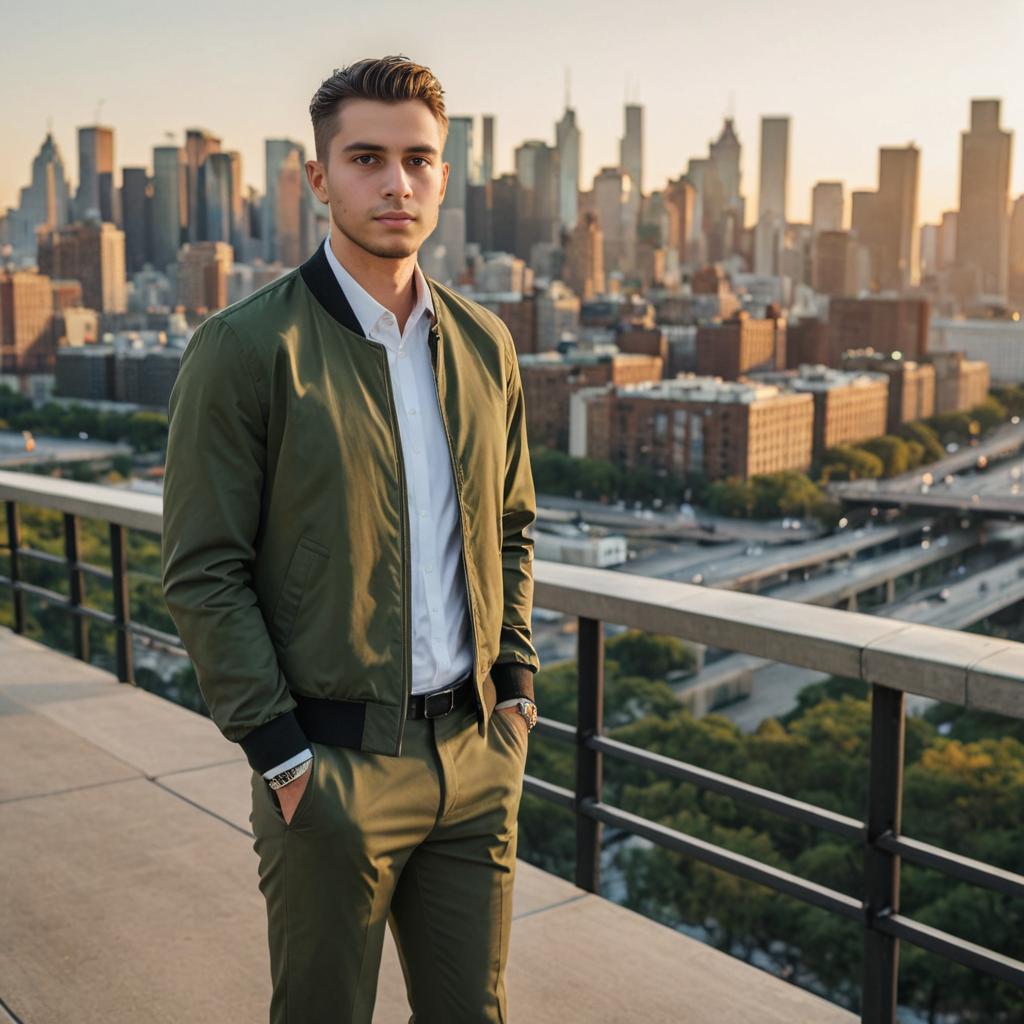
[385, 158]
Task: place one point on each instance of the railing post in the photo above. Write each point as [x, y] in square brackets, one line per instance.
[122, 611]
[880, 972]
[76, 588]
[13, 544]
[589, 770]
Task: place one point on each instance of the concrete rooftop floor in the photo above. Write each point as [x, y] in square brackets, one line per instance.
[128, 885]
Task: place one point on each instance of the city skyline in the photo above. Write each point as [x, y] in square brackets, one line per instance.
[837, 126]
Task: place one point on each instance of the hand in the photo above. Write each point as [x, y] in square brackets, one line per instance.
[514, 712]
[289, 796]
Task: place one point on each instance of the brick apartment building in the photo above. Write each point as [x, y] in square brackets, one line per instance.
[741, 345]
[911, 385]
[549, 379]
[848, 407]
[692, 424]
[884, 324]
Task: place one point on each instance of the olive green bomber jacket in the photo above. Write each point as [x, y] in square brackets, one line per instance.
[285, 546]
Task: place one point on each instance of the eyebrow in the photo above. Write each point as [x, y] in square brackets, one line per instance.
[374, 147]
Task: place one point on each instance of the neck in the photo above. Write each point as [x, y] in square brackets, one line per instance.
[390, 281]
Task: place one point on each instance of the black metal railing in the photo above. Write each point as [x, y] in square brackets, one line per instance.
[884, 846]
[74, 604]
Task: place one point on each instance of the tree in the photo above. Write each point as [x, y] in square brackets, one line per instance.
[926, 437]
[989, 414]
[845, 462]
[731, 497]
[893, 452]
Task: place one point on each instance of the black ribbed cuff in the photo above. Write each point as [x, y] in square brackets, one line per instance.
[273, 742]
[513, 679]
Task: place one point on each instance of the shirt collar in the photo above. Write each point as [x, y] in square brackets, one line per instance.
[368, 311]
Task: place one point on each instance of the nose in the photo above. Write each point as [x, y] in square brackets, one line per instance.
[396, 181]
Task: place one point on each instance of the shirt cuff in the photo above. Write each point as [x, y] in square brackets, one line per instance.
[509, 703]
[299, 758]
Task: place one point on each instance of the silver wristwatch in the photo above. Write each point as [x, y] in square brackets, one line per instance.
[289, 774]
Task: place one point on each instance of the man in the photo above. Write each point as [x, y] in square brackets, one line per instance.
[346, 496]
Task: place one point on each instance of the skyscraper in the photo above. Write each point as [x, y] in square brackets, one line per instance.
[199, 144]
[827, 206]
[584, 258]
[771, 204]
[96, 198]
[886, 221]
[92, 253]
[291, 212]
[1015, 281]
[487, 159]
[458, 151]
[537, 171]
[170, 204]
[722, 189]
[567, 142]
[725, 155]
[680, 199]
[982, 227]
[613, 190]
[45, 202]
[203, 269]
[446, 249]
[288, 227]
[631, 146]
[700, 173]
[136, 216]
[27, 342]
[222, 191]
[947, 239]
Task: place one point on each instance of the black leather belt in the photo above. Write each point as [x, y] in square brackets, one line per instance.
[441, 702]
[340, 722]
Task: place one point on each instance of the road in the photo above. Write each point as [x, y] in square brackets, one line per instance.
[956, 482]
[670, 522]
[776, 686]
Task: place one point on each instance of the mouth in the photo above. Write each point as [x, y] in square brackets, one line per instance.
[395, 218]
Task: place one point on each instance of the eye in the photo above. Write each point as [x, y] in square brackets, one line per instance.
[367, 156]
[426, 163]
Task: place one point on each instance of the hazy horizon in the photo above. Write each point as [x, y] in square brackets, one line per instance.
[850, 84]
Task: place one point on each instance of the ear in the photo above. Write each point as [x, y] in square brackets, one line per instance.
[444, 182]
[316, 175]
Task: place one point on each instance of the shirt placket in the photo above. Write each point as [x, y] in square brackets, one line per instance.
[420, 504]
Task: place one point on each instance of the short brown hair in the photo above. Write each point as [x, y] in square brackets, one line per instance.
[391, 79]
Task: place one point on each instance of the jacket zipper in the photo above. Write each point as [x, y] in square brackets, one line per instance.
[435, 333]
[406, 580]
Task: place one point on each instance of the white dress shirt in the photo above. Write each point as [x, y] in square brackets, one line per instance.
[442, 650]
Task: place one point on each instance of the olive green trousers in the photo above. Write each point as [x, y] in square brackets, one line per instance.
[425, 842]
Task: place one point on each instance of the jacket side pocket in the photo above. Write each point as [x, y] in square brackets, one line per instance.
[307, 556]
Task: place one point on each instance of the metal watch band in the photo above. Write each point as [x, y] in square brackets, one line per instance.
[528, 710]
[290, 774]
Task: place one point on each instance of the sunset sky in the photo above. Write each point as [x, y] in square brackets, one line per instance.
[851, 76]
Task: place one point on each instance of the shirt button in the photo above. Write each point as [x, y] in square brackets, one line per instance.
[412, 412]
[428, 567]
[423, 513]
